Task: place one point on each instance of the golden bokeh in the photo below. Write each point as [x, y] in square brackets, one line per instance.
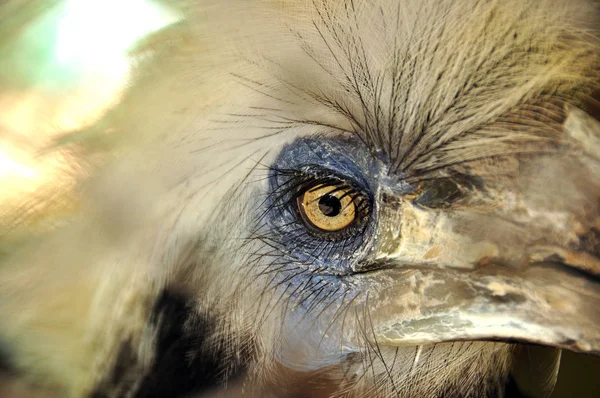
[63, 71]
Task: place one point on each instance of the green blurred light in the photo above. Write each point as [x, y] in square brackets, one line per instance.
[79, 40]
[96, 34]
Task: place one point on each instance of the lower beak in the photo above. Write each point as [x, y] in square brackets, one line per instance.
[547, 304]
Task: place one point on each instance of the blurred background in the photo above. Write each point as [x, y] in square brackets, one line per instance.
[64, 63]
[61, 69]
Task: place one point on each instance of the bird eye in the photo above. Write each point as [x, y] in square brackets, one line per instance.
[329, 208]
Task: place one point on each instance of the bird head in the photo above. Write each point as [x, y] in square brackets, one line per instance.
[391, 195]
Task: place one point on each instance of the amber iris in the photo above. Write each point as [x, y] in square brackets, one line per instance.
[327, 207]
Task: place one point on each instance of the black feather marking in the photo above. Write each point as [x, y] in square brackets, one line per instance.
[183, 361]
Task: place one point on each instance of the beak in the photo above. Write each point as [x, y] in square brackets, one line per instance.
[520, 262]
[547, 304]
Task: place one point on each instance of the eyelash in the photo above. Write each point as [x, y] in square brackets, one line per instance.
[284, 197]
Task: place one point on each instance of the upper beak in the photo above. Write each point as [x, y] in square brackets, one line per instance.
[520, 263]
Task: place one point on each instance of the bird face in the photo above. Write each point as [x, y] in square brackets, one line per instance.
[386, 195]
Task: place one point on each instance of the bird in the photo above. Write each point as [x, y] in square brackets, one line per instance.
[324, 198]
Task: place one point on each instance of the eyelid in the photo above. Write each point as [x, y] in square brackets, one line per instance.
[317, 175]
[289, 184]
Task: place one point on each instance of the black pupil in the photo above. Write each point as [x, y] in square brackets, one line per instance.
[330, 205]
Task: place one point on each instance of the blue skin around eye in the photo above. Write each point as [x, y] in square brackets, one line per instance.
[345, 158]
[310, 270]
